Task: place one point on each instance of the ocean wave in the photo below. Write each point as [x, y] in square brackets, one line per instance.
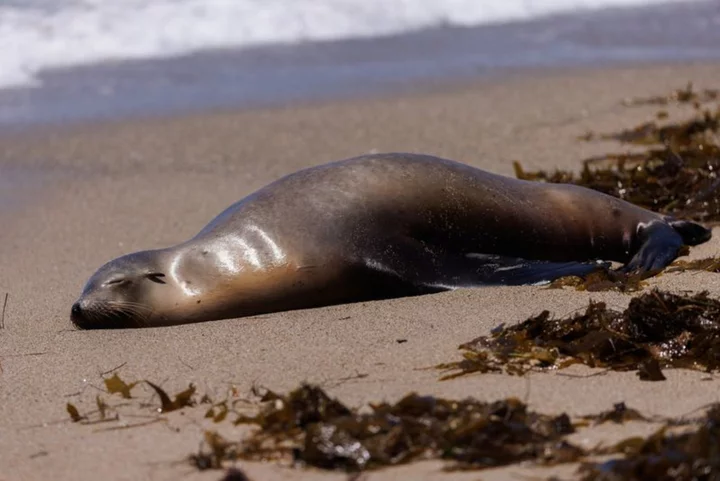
[36, 35]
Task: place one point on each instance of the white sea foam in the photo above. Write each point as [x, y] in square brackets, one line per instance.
[40, 34]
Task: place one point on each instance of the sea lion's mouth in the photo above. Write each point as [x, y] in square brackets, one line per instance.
[104, 316]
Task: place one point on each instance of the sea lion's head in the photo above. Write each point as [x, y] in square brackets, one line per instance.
[126, 292]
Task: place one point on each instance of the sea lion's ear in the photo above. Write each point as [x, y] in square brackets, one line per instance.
[692, 233]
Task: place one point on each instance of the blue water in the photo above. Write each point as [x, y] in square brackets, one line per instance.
[275, 75]
[37, 35]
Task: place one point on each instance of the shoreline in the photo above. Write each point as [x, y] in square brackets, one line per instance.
[407, 91]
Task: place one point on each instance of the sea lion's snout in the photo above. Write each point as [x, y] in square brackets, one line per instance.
[76, 313]
[80, 316]
[100, 313]
[76, 310]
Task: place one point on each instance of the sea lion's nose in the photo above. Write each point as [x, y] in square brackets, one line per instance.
[77, 316]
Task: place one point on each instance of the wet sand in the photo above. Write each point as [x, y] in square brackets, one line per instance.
[93, 192]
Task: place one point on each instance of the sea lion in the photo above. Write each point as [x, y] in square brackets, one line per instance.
[373, 227]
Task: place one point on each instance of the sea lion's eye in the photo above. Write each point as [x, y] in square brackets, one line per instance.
[116, 281]
[156, 277]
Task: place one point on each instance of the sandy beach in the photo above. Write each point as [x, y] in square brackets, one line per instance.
[86, 193]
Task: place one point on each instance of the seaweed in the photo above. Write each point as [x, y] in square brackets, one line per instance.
[75, 415]
[685, 95]
[2, 316]
[675, 174]
[708, 264]
[691, 455]
[619, 414]
[116, 385]
[684, 134]
[311, 428]
[217, 449]
[613, 280]
[101, 415]
[603, 280]
[182, 399]
[658, 330]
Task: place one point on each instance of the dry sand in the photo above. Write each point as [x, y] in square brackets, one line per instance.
[104, 190]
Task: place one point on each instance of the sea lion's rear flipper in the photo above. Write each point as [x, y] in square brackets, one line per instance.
[660, 244]
[425, 266]
[692, 233]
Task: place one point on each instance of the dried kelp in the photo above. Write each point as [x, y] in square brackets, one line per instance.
[182, 399]
[619, 414]
[75, 415]
[313, 429]
[692, 455]
[686, 95]
[603, 280]
[708, 264]
[310, 428]
[216, 449]
[613, 280]
[676, 174]
[2, 313]
[104, 413]
[692, 133]
[116, 385]
[658, 330]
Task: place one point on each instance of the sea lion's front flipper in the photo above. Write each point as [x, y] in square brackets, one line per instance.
[501, 270]
[422, 265]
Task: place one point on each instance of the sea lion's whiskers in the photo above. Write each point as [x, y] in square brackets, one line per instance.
[131, 311]
[141, 320]
[124, 319]
[90, 315]
[136, 306]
